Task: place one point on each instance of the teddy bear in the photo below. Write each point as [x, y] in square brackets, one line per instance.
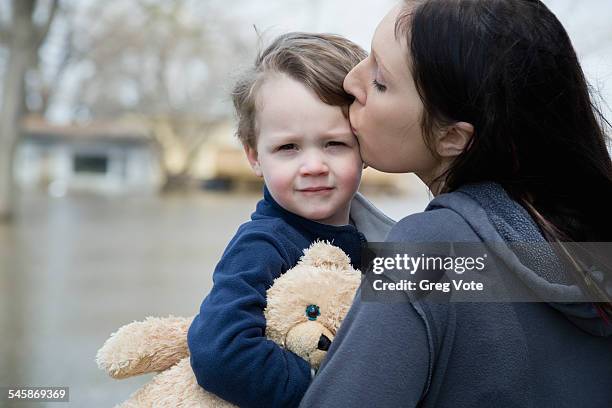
[305, 307]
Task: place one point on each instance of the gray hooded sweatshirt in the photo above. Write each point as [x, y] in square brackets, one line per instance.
[471, 354]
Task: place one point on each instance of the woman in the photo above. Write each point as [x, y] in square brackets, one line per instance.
[485, 101]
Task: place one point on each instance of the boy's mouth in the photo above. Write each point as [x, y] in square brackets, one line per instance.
[315, 189]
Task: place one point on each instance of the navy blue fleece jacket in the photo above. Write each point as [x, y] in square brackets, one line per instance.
[230, 354]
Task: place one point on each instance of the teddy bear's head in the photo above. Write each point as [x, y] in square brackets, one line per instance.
[307, 304]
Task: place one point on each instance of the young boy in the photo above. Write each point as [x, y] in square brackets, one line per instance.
[292, 113]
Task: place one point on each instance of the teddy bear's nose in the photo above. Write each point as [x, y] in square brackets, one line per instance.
[324, 343]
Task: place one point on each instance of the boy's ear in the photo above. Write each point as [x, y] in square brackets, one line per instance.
[251, 155]
[454, 139]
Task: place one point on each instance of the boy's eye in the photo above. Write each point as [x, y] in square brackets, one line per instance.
[288, 146]
[336, 143]
[379, 87]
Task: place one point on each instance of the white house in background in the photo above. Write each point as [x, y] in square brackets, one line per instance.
[106, 158]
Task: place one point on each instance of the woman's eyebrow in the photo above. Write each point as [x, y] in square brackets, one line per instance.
[380, 64]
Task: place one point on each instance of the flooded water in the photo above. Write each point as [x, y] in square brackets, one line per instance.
[74, 269]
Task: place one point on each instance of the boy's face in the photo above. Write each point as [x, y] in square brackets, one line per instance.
[306, 152]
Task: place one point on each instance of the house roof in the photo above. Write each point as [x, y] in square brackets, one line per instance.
[35, 127]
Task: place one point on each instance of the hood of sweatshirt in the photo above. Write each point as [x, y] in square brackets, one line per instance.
[369, 220]
[497, 219]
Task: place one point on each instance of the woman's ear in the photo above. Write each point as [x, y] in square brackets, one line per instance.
[251, 154]
[454, 139]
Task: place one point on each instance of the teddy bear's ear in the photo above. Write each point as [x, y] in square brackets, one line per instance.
[322, 253]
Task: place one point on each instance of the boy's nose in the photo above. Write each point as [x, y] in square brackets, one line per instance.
[314, 165]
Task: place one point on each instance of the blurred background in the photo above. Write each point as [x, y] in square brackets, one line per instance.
[120, 180]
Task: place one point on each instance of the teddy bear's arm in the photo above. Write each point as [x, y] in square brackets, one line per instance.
[154, 344]
[176, 387]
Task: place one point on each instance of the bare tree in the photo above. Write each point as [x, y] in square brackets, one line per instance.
[22, 35]
[167, 64]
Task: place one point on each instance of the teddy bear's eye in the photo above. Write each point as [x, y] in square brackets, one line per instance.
[312, 312]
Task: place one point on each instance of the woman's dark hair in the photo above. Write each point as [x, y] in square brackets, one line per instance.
[508, 67]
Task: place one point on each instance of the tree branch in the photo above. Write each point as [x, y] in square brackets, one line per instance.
[43, 30]
[5, 34]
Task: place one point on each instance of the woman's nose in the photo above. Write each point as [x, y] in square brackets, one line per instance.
[352, 84]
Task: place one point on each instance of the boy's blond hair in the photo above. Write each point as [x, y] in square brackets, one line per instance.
[318, 61]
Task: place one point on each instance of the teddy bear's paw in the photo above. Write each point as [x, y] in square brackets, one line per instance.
[154, 344]
[322, 253]
[176, 388]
